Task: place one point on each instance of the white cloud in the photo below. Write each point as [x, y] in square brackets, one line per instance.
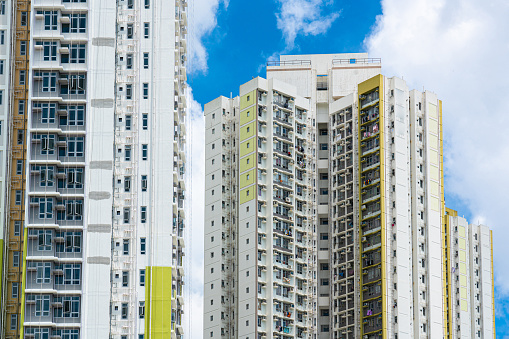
[303, 17]
[202, 21]
[458, 49]
[195, 128]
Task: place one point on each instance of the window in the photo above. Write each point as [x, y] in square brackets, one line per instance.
[45, 206]
[145, 91]
[50, 20]
[21, 137]
[17, 198]
[146, 29]
[323, 147]
[75, 147]
[2, 37]
[22, 77]
[24, 19]
[43, 272]
[130, 4]
[141, 311]
[128, 122]
[144, 121]
[144, 183]
[44, 239]
[71, 243]
[49, 81]
[23, 48]
[125, 279]
[71, 274]
[144, 152]
[75, 115]
[14, 290]
[21, 107]
[15, 259]
[17, 228]
[1, 97]
[70, 307]
[147, 4]
[14, 322]
[127, 215]
[2, 67]
[142, 277]
[129, 61]
[2, 7]
[145, 60]
[77, 24]
[73, 210]
[125, 247]
[76, 55]
[130, 31]
[129, 91]
[143, 245]
[127, 153]
[143, 214]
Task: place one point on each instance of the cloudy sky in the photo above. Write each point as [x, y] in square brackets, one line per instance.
[455, 48]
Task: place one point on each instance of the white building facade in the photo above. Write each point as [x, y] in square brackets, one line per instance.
[104, 164]
[374, 155]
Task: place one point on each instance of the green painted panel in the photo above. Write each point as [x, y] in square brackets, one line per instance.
[158, 302]
[247, 163]
[248, 146]
[247, 115]
[247, 194]
[247, 178]
[247, 99]
[247, 131]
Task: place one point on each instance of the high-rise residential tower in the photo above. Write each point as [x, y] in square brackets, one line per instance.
[95, 168]
[359, 185]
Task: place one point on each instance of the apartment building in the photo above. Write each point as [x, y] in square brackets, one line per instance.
[374, 206]
[94, 228]
[469, 276]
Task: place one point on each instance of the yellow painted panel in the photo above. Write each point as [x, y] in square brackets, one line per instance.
[433, 172]
[461, 231]
[433, 126]
[247, 131]
[463, 268]
[464, 306]
[247, 163]
[463, 256]
[247, 178]
[432, 111]
[433, 141]
[247, 99]
[435, 204]
[158, 302]
[462, 244]
[434, 187]
[463, 281]
[247, 194]
[247, 115]
[248, 146]
[463, 292]
[452, 212]
[370, 84]
[433, 157]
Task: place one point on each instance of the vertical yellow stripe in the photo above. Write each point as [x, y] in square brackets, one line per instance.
[158, 289]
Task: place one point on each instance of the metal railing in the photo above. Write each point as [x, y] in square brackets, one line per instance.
[288, 63]
[357, 61]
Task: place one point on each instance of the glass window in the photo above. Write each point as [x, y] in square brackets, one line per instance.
[144, 183]
[77, 24]
[42, 305]
[142, 277]
[73, 210]
[69, 242]
[70, 307]
[50, 20]
[144, 121]
[71, 274]
[143, 245]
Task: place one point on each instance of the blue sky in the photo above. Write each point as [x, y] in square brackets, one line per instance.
[454, 48]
